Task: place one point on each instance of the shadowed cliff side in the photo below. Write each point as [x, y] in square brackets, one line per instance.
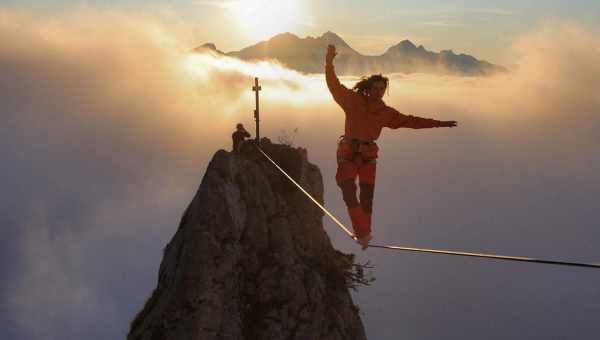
[250, 259]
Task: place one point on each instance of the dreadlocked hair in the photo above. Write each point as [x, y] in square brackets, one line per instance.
[365, 83]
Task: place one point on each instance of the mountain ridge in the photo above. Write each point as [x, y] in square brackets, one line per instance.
[307, 55]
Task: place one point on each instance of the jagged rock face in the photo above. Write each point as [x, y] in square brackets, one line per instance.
[250, 259]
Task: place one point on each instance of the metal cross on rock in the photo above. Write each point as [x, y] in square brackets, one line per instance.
[257, 88]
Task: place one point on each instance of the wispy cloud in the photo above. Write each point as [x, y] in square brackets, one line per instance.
[421, 12]
[442, 23]
[453, 13]
[496, 11]
[220, 4]
[434, 17]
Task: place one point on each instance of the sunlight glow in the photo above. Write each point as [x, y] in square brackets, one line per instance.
[261, 19]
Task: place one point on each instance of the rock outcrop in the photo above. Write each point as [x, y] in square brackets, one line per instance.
[250, 259]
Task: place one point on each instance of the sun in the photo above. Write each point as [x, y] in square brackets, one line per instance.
[261, 19]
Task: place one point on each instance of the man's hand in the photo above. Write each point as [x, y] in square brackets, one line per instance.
[448, 123]
[331, 53]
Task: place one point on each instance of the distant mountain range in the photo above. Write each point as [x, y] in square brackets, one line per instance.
[307, 55]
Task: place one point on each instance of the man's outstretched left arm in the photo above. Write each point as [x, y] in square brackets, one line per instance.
[398, 120]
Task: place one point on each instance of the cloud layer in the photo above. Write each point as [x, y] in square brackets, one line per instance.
[108, 125]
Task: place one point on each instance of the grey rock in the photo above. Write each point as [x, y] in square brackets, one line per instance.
[250, 259]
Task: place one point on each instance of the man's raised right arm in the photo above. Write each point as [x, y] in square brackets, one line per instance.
[341, 94]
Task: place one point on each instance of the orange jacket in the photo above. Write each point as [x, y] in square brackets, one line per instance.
[365, 118]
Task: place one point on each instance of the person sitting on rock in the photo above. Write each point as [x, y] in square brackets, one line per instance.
[238, 137]
[366, 114]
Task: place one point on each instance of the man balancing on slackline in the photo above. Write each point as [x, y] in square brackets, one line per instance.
[366, 114]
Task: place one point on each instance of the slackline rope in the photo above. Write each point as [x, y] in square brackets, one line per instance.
[425, 250]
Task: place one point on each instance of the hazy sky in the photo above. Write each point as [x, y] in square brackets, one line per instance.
[483, 28]
[108, 126]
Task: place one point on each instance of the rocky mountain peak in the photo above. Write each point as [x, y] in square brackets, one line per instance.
[284, 37]
[330, 35]
[406, 44]
[332, 38]
[208, 47]
[404, 47]
[250, 258]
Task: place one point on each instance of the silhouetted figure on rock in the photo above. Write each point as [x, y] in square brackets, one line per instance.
[366, 114]
[238, 137]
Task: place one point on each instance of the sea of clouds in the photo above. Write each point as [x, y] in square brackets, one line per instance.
[108, 123]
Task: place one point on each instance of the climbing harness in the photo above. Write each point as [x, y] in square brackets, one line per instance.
[424, 250]
[352, 147]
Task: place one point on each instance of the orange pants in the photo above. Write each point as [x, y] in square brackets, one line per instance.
[357, 159]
